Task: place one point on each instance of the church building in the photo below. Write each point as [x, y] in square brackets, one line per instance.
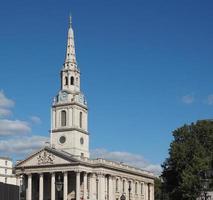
[63, 169]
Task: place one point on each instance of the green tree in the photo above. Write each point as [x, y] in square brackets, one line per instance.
[190, 152]
[158, 189]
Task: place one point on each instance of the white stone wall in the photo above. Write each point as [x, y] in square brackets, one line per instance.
[73, 132]
[6, 174]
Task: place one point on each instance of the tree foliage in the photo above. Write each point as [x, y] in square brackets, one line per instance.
[159, 192]
[190, 152]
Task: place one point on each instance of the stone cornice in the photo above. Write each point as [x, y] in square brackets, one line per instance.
[70, 129]
[75, 69]
[6, 167]
[68, 104]
[8, 175]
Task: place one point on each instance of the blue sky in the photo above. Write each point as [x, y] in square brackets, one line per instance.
[146, 69]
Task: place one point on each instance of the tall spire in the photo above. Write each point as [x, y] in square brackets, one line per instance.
[70, 21]
[70, 57]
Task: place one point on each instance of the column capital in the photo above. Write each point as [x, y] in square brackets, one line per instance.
[85, 173]
[93, 175]
[101, 174]
[77, 170]
[29, 174]
[112, 176]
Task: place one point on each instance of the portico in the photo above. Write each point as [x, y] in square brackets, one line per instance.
[45, 186]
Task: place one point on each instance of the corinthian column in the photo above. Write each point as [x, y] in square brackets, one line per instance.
[29, 187]
[41, 187]
[77, 185]
[53, 186]
[92, 194]
[65, 185]
[85, 186]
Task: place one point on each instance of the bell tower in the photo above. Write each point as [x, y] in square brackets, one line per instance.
[69, 127]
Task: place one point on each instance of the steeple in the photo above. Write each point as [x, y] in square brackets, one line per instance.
[69, 128]
[70, 58]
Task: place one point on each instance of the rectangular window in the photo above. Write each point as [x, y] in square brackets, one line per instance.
[5, 171]
[6, 162]
[5, 180]
[80, 119]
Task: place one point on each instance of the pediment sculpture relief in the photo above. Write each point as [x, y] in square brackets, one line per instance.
[45, 158]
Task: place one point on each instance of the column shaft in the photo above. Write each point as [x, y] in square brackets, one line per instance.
[77, 185]
[65, 185]
[92, 194]
[29, 187]
[53, 186]
[41, 187]
[85, 185]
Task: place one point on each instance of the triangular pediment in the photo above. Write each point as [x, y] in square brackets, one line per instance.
[47, 156]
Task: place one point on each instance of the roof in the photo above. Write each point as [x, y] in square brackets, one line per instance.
[76, 161]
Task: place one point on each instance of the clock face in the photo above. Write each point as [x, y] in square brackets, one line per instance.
[63, 96]
[81, 98]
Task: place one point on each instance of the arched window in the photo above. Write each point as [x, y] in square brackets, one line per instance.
[77, 81]
[123, 185]
[80, 119]
[63, 118]
[141, 188]
[149, 192]
[66, 80]
[116, 185]
[72, 80]
[136, 188]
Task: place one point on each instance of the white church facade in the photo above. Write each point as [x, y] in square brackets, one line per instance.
[63, 169]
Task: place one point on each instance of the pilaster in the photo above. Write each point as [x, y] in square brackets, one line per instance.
[101, 186]
[111, 195]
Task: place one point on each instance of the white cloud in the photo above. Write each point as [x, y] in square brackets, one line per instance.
[188, 99]
[128, 158]
[35, 120]
[4, 101]
[13, 127]
[5, 112]
[22, 145]
[210, 99]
